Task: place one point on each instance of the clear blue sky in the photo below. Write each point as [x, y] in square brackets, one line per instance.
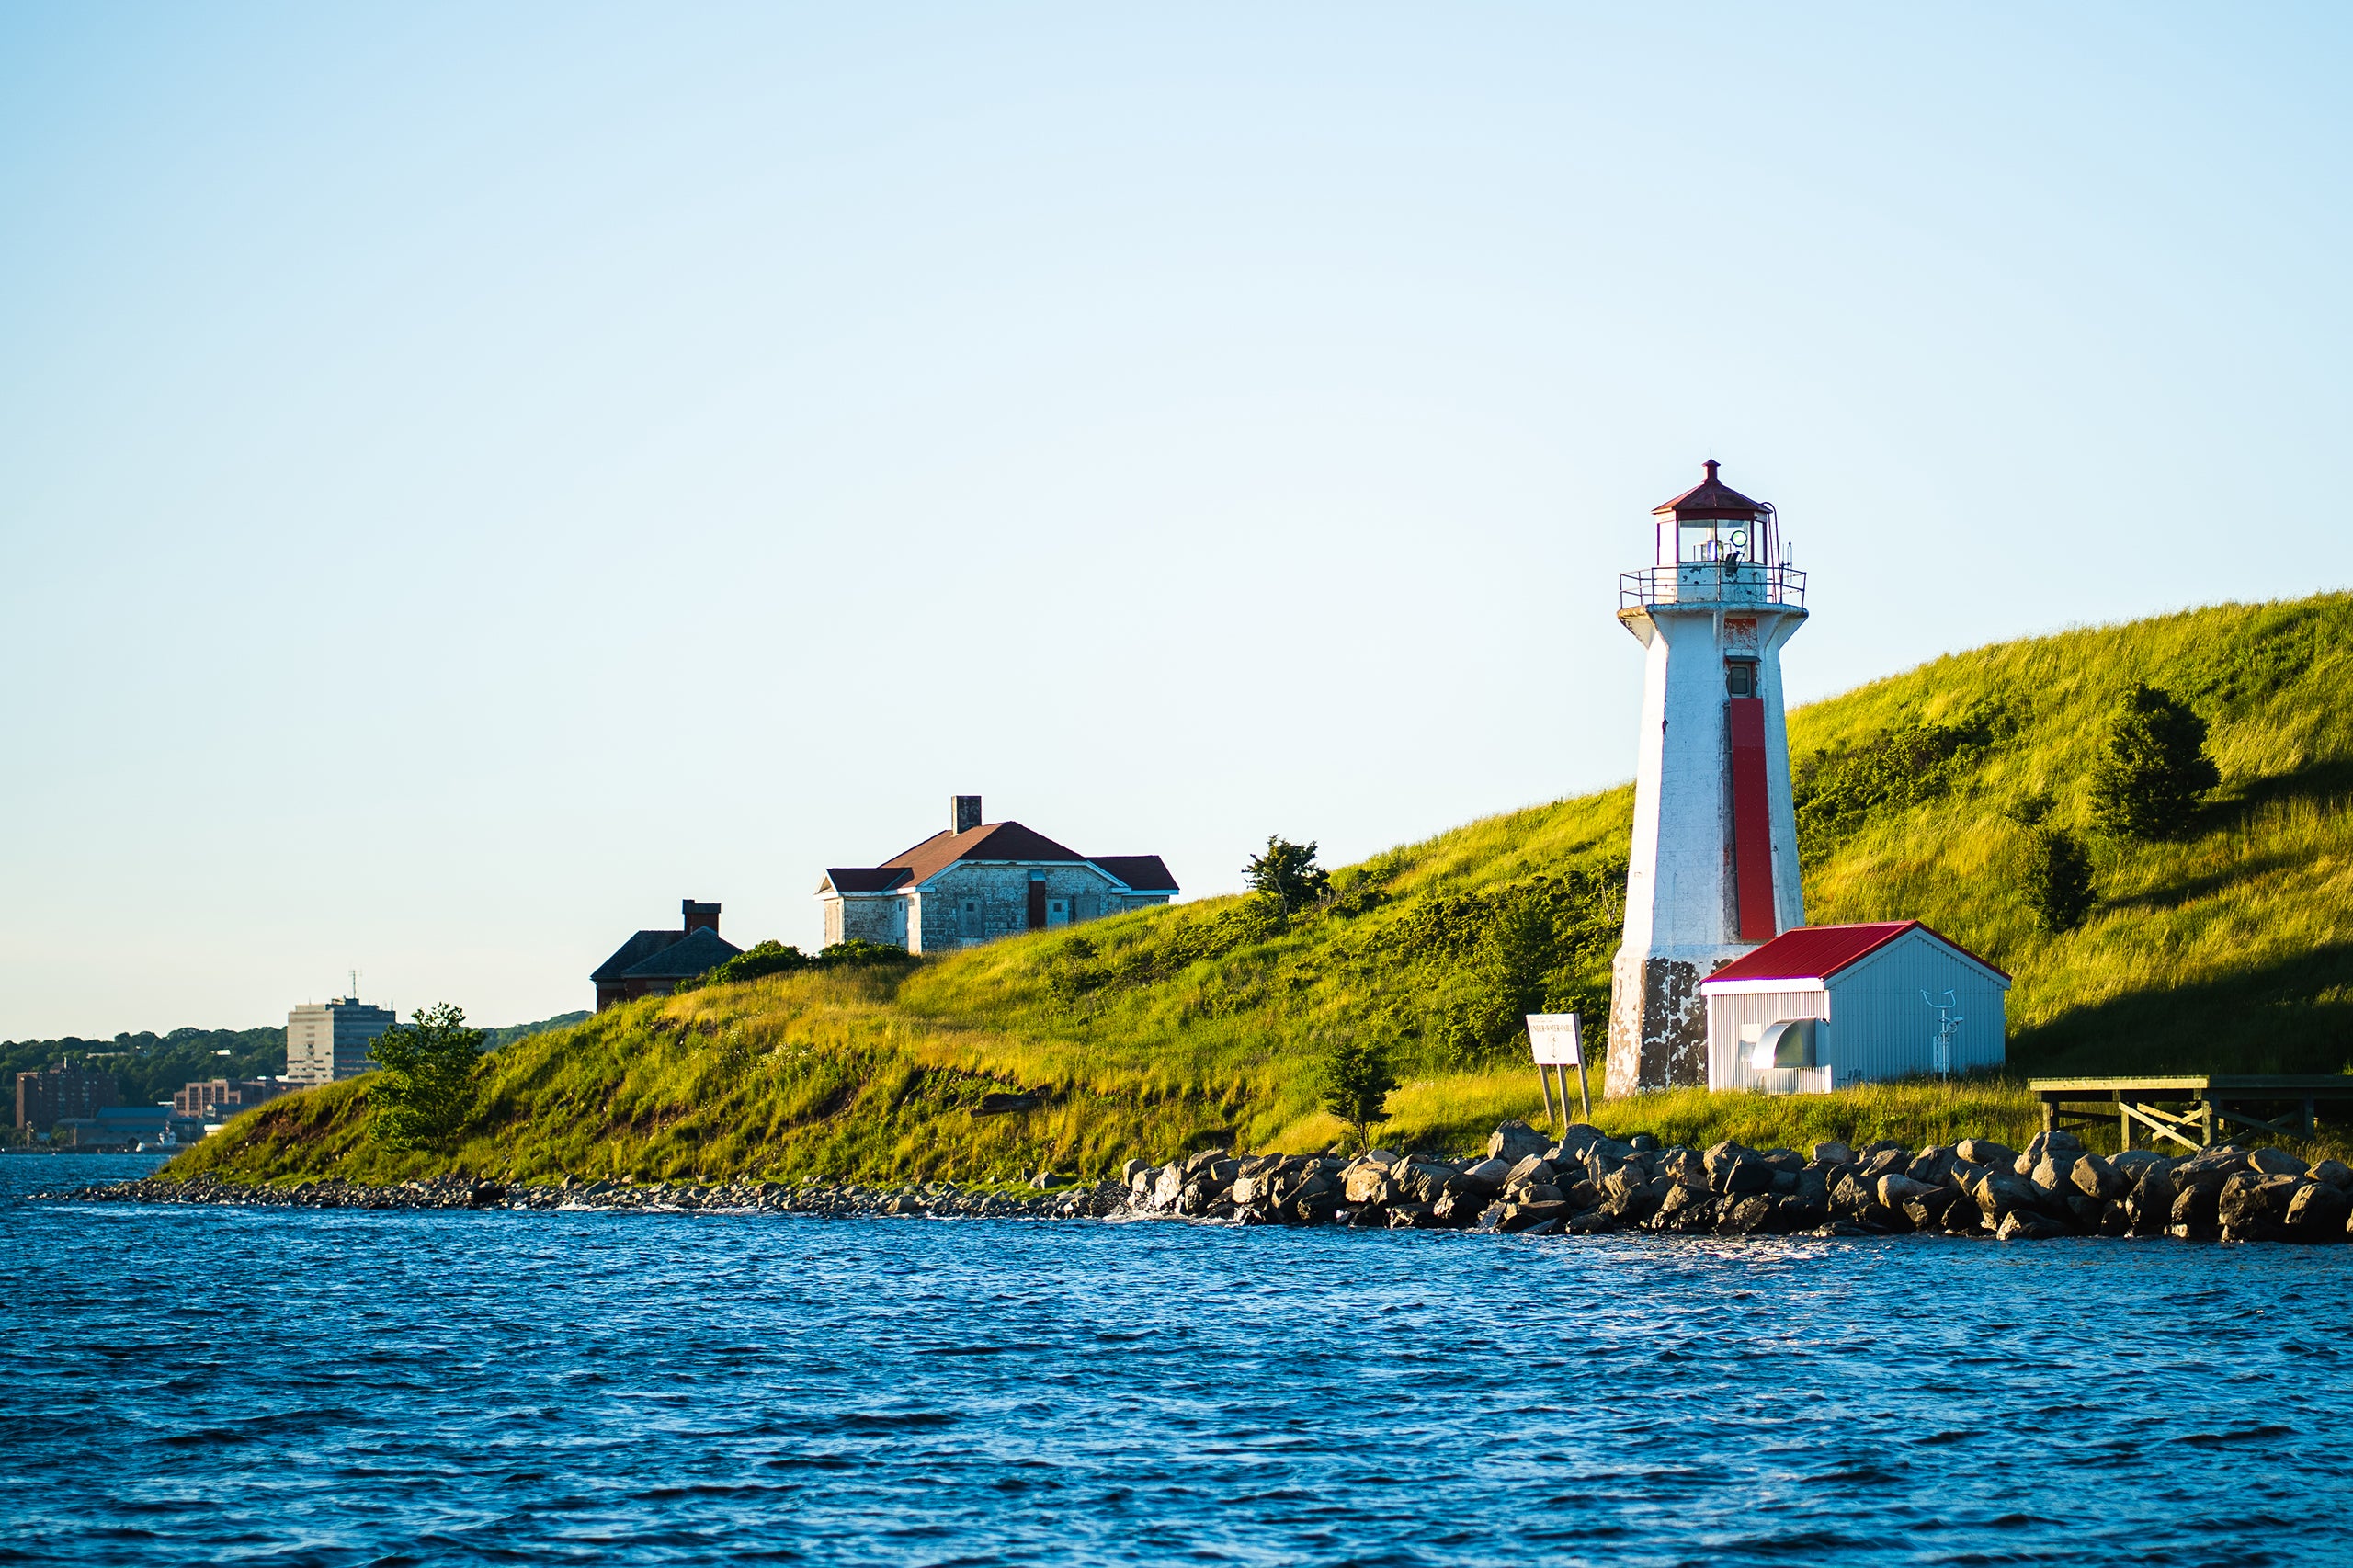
[474, 475]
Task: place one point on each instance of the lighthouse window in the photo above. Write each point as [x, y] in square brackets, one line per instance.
[1740, 678]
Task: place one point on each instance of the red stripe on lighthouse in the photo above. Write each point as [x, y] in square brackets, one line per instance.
[1752, 821]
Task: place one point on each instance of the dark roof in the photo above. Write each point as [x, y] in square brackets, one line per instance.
[865, 879]
[637, 950]
[1144, 873]
[687, 956]
[1710, 500]
[990, 841]
[1817, 952]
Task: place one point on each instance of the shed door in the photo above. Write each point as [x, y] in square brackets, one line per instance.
[1038, 904]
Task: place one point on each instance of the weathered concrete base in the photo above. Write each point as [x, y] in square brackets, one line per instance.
[1658, 1023]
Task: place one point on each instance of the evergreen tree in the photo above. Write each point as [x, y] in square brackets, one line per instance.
[2057, 878]
[2153, 766]
[424, 1085]
[1286, 875]
[1357, 1083]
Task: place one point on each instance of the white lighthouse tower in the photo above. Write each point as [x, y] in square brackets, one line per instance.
[1714, 867]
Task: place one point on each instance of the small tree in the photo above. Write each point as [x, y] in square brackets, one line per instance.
[2056, 878]
[2153, 766]
[424, 1085]
[1357, 1082]
[1286, 875]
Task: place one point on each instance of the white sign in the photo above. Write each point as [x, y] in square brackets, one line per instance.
[1552, 1037]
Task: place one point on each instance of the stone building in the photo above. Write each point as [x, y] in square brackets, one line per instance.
[981, 880]
[217, 1100]
[71, 1093]
[652, 963]
[328, 1041]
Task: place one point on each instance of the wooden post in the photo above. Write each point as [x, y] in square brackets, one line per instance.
[1585, 1094]
[1544, 1087]
[2123, 1124]
[2208, 1120]
[2312, 1114]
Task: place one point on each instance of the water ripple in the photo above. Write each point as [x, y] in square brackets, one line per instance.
[379, 1387]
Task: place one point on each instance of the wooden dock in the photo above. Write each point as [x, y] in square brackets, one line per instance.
[2205, 1106]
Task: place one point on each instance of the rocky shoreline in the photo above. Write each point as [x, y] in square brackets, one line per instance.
[1583, 1182]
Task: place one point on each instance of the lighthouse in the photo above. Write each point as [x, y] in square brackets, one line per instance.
[1714, 866]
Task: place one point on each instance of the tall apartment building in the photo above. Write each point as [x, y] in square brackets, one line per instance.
[329, 1041]
[62, 1094]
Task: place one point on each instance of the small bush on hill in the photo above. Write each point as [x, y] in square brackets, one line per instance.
[1357, 1081]
[2153, 766]
[1286, 875]
[2057, 879]
[424, 1087]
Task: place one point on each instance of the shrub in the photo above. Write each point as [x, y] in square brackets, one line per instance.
[1286, 875]
[2056, 878]
[1357, 1082]
[762, 958]
[424, 1085]
[2153, 766]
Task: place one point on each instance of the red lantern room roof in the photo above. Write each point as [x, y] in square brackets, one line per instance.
[1711, 501]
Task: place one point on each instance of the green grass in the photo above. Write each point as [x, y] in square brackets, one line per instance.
[2231, 950]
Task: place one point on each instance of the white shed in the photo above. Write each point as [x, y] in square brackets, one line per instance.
[1823, 1006]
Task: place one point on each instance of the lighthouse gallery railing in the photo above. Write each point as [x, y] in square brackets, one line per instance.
[1713, 582]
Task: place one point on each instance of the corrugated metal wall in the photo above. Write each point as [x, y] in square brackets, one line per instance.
[1881, 1028]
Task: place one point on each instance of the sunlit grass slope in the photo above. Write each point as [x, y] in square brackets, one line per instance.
[2229, 951]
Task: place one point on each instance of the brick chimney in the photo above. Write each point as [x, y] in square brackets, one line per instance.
[964, 813]
[698, 916]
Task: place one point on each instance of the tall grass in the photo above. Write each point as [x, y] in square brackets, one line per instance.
[2230, 949]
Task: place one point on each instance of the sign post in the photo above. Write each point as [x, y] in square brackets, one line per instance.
[1554, 1041]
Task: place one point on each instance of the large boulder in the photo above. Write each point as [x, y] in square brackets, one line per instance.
[1486, 1176]
[1933, 1165]
[1166, 1187]
[1412, 1217]
[2336, 1173]
[2055, 1173]
[2095, 1177]
[2000, 1193]
[2276, 1162]
[2318, 1212]
[1534, 1168]
[1833, 1152]
[1746, 1216]
[2254, 1208]
[1985, 1152]
[1458, 1211]
[1895, 1191]
[1514, 1140]
[1576, 1141]
[2194, 1209]
[2026, 1225]
[1368, 1182]
[1420, 1181]
[1735, 1169]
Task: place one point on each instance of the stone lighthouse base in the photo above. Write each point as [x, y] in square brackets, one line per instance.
[1658, 1021]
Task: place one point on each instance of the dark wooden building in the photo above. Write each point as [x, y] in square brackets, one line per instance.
[652, 962]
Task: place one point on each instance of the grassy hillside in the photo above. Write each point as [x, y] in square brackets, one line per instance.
[2230, 949]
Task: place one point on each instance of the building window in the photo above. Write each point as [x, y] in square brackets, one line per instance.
[1740, 678]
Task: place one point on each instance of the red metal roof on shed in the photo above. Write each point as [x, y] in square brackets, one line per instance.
[1817, 952]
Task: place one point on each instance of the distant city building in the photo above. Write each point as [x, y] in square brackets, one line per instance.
[980, 881]
[326, 1041]
[652, 963]
[125, 1127]
[219, 1098]
[46, 1097]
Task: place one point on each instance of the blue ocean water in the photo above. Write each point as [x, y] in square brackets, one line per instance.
[228, 1386]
